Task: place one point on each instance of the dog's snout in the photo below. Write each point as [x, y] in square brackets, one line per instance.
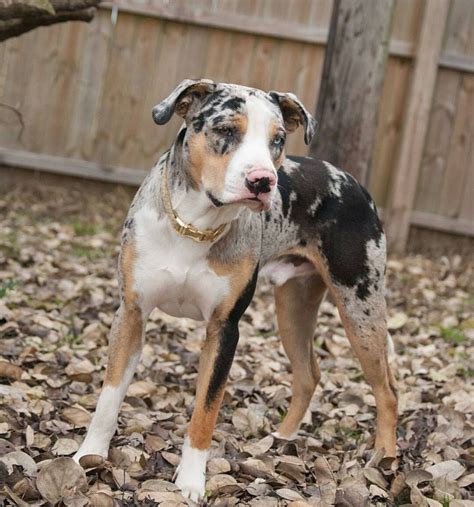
[260, 181]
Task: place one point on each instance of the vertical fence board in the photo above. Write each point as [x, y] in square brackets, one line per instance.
[416, 122]
[459, 159]
[433, 164]
[389, 124]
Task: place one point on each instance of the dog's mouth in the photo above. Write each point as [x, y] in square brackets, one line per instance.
[253, 202]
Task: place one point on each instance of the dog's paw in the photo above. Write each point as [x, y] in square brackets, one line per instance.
[192, 484]
[289, 438]
[191, 473]
[89, 457]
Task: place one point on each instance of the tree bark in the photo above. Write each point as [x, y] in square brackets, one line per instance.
[351, 84]
[20, 16]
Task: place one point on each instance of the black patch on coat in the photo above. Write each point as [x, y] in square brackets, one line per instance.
[199, 120]
[214, 200]
[128, 223]
[284, 186]
[228, 339]
[217, 119]
[225, 146]
[341, 226]
[181, 135]
[348, 224]
[234, 103]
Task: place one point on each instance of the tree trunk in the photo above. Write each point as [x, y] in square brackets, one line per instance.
[351, 84]
[20, 16]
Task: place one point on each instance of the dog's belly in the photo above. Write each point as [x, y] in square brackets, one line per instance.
[172, 273]
[279, 271]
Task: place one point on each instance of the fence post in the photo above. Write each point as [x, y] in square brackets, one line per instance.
[351, 84]
[415, 125]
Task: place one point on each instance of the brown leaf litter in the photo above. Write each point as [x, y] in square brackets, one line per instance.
[58, 293]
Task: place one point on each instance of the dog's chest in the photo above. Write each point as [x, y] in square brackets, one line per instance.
[173, 273]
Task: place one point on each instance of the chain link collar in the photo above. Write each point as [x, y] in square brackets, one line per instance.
[182, 228]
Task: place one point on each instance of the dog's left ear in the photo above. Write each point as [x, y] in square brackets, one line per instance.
[295, 114]
[181, 98]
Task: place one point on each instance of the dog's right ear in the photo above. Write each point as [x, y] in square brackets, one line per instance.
[181, 98]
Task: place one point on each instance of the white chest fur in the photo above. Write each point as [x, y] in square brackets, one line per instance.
[171, 272]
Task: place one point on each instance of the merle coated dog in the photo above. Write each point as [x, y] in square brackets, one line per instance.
[222, 206]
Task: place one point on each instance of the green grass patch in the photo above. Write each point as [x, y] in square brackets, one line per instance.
[84, 229]
[281, 413]
[466, 372]
[89, 253]
[9, 244]
[6, 286]
[453, 335]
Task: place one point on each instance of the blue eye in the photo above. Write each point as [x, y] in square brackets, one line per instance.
[278, 141]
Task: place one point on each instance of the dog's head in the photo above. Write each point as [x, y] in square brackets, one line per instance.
[234, 140]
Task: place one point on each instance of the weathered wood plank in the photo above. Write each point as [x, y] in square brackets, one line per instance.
[435, 152]
[405, 29]
[415, 124]
[70, 167]
[459, 162]
[389, 124]
[442, 223]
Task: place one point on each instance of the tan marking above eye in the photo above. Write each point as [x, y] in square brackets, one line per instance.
[241, 122]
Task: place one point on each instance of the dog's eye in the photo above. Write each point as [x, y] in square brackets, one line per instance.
[278, 141]
[224, 131]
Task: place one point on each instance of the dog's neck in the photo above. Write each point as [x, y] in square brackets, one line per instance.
[193, 206]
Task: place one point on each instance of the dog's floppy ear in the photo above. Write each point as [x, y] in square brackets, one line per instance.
[295, 114]
[181, 98]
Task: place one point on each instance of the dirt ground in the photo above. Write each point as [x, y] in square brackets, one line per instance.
[58, 293]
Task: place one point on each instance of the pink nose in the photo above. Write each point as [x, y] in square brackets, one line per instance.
[260, 181]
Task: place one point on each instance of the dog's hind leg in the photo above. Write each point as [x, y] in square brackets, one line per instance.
[297, 304]
[363, 312]
[125, 345]
[366, 329]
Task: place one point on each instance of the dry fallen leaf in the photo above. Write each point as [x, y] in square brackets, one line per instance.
[19, 458]
[65, 447]
[9, 370]
[450, 470]
[60, 479]
[77, 416]
[222, 483]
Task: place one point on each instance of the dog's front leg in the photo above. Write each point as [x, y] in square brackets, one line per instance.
[126, 340]
[214, 365]
[125, 346]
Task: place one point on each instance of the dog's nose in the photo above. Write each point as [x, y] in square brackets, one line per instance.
[260, 181]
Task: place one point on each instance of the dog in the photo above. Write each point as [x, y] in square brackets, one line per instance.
[224, 204]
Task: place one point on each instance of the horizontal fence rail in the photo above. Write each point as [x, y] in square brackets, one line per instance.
[90, 170]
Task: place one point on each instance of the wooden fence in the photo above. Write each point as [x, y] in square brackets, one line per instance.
[76, 98]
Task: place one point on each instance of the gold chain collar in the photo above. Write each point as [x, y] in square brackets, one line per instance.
[182, 228]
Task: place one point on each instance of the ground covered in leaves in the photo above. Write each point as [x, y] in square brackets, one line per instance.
[58, 293]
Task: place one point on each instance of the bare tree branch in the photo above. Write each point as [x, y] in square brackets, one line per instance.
[20, 16]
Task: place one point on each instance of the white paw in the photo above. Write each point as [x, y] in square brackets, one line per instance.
[191, 479]
[90, 450]
[291, 437]
[191, 483]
